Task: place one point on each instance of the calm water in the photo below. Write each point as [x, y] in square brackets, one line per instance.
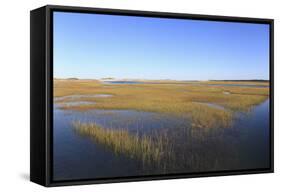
[244, 145]
[76, 97]
[190, 83]
[123, 82]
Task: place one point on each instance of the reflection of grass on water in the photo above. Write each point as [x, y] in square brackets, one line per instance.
[145, 148]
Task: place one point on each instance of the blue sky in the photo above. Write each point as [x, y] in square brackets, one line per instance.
[97, 46]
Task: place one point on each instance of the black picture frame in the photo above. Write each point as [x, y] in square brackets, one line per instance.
[41, 93]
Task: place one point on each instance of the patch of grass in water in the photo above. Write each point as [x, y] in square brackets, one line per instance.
[145, 148]
[208, 117]
[163, 151]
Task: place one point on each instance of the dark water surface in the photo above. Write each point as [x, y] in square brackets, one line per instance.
[244, 145]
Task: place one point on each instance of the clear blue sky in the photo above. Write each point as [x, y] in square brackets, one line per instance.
[97, 46]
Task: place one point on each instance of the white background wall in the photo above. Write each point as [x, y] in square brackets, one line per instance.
[14, 95]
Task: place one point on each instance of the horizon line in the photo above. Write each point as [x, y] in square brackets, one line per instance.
[124, 79]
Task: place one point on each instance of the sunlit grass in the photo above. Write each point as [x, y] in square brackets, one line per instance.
[164, 151]
[263, 83]
[177, 98]
[145, 148]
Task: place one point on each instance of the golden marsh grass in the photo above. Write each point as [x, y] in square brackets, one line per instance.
[145, 148]
[178, 99]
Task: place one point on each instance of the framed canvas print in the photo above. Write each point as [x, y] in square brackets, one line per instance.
[119, 95]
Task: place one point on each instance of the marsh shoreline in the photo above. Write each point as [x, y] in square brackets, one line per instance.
[211, 130]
